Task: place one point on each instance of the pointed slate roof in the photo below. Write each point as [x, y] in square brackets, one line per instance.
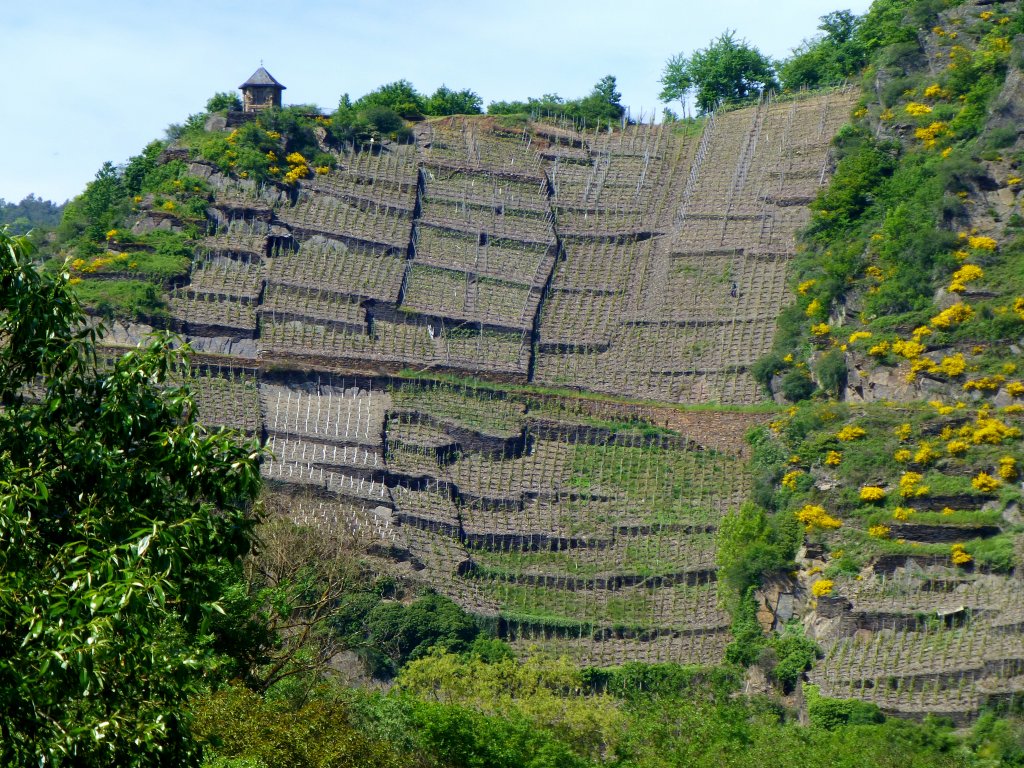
[261, 78]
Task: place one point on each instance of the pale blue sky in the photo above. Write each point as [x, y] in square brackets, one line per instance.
[89, 81]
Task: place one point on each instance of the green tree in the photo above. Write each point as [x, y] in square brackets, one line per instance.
[602, 105]
[223, 101]
[828, 58]
[728, 69]
[399, 96]
[116, 511]
[445, 101]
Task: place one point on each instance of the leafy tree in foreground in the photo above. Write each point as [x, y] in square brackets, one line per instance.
[728, 69]
[117, 512]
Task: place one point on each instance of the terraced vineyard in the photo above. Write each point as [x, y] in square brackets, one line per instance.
[642, 268]
[536, 254]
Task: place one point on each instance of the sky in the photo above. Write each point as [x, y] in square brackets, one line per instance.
[90, 81]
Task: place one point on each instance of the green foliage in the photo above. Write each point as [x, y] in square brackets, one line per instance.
[399, 96]
[602, 105]
[121, 298]
[408, 632]
[140, 166]
[786, 655]
[748, 641]
[31, 213]
[549, 693]
[727, 70]
[794, 653]
[797, 385]
[995, 554]
[829, 58]
[766, 368]
[100, 208]
[638, 681]
[362, 123]
[832, 713]
[830, 370]
[224, 101]
[752, 544]
[864, 164]
[463, 738]
[237, 724]
[116, 511]
[445, 101]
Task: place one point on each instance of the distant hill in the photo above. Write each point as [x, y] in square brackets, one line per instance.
[32, 212]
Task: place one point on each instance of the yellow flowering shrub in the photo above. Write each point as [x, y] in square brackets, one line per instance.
[295, 158]
[986, 483]
[958, 313]
[902, 456]
[813, 309]
[822, 587]
[982, 242]
[821, 329]
[916, 109]
[880, 349]
[789, 479]
[872, 493]
[886, 115]
[992, 431]
[951, 365]
[879, 531]
[958, 555]
[1015, 389]
[910, 485]
[908, 349]
[985, 383]
[1018, 307]
[322, 170]
[858, 335]
[1008, 468]
[966, 274]
[295, 173]
[902, 431]
[957, 447]
[805, 286]
[814, 516]
[930, 133]
[850, 432]
[936, 91]
[833, 458]
[1013, 409]
[902, 513]
[926, 454]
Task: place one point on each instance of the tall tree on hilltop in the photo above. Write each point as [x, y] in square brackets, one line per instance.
[728, 69]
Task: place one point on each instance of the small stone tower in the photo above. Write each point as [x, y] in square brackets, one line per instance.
[260, 91]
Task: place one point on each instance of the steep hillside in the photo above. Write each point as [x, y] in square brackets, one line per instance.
[522, 359]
